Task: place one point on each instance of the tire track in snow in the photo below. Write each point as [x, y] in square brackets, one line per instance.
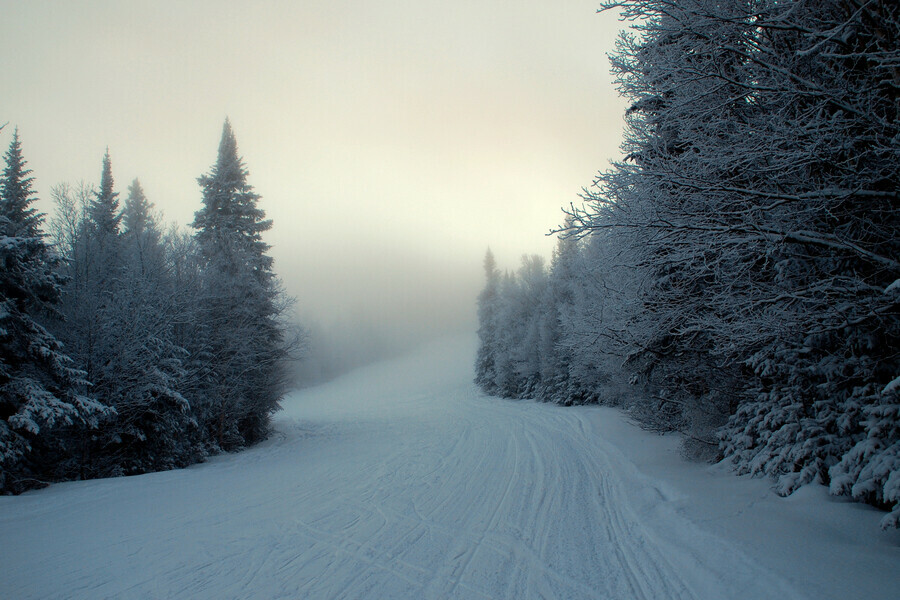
[657, 548]
[492, 522]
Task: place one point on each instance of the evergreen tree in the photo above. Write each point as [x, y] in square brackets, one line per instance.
[96, 268]
[40, 388]
[17, 195]
[239, 328]
[125, 319]
[230, 224]
[555, 356]
[104, 210]
[155, 424]
[488, 299]
[136, 215]
[141, 236]
[522, 313]
[509, 360]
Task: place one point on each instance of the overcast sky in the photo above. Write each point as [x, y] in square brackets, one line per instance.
[392, 141]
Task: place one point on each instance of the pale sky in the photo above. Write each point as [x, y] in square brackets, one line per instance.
[392, 141]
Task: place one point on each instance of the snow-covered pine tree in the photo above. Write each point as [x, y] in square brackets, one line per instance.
[240, 306]
[488, 299]
[596, 311]
[516, 314]
[525, 316]
[154, 430]
[870, 471]
[24, 220]
[118, 322]
[104, 210]
[104, 243]
[94, 268]
[141, 234]
[40, 387]
[555, 356]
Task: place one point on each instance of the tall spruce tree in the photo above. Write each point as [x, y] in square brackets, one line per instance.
[17, 195]
[555, 356]
[96, 267]
[239, 325]
[136, 215]
[104, 210]
[488, 306]
[142, 237]
[40, 388]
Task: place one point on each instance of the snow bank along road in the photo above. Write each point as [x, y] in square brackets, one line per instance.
[402, 481]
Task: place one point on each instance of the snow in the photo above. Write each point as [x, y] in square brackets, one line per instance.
[400, 480]
[893, 386]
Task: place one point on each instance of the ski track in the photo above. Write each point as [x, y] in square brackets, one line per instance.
[398, 481]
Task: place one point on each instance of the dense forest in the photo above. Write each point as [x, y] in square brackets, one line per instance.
[127, 347]
[736, 276]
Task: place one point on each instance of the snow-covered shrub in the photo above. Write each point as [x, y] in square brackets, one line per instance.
[870, 471]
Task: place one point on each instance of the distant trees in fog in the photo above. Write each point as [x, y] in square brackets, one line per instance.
[127, 348]
[737, 276]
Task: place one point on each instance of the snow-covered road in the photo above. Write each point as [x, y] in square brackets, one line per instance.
[402, 481]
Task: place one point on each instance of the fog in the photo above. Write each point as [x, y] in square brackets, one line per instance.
[391, 142]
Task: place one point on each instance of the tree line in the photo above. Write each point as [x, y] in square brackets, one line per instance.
[127, 347]
[736, 276]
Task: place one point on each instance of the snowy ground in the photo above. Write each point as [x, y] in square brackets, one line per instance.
[401, 481]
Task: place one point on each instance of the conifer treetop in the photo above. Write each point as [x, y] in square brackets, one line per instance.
[230, 215]
[136, 215]
[16, 194]
[104, 210]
